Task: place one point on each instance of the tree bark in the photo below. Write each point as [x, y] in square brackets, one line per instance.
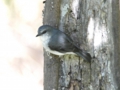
[51, 63]
[94, 26]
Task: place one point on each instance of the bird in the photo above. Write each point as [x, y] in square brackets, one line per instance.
[59, 43]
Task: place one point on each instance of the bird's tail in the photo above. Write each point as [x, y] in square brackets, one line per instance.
[86, 56]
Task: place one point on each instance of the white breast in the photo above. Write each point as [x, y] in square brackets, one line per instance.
[45, 40]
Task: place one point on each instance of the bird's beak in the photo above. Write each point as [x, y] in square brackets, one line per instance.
[37, 35]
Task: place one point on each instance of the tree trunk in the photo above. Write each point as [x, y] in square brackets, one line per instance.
[94, 26]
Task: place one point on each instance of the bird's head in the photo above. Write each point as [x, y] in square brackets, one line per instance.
[44, 29]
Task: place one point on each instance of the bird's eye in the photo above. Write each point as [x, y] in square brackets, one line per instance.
[44, 32]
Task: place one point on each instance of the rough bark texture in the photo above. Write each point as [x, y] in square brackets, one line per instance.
[116, 38]
[51, 63]
[94, 26]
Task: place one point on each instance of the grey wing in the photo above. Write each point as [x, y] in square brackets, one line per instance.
[62, 43]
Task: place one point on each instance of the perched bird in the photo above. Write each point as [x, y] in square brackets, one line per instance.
[59, 43]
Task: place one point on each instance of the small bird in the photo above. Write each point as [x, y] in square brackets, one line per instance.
[59, 43]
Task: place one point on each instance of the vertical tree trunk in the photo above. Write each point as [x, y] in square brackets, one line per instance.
[51, 63]
[115, 63]
[94, 26]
